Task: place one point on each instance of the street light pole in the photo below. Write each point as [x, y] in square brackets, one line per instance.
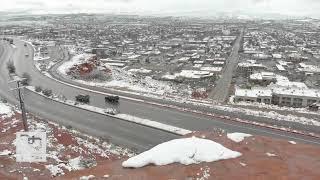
[22, 106]
[23, 109]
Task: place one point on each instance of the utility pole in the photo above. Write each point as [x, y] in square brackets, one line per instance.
[22, 106]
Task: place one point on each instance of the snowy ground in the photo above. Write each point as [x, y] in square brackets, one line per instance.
[275, 107]
[6, 110]
[124, 79]
[184, 151]
[67, 149]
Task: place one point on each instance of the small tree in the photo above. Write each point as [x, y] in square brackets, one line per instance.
[11, 68]
[38, 89]
[26, 79]
[47, 92]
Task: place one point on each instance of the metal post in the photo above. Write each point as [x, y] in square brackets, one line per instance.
[23, 110]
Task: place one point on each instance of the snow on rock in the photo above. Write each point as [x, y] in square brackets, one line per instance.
[6, 110]
[75, 163]
[185, 151]
[78, 59]
[238, 137]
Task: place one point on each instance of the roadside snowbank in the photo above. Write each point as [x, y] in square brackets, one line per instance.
[185, 151]
[238, 137]
[154, 124]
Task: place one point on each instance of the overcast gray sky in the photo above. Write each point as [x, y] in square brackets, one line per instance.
[286, 7]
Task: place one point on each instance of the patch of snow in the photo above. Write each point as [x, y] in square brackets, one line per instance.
[87, 177]
[6, 111]
[55, 170]
[185, 151]
[5, 153]
[243, 164]
[271, 155]
[292, 142]
[75, 163]
[205, 173]
[238, 137]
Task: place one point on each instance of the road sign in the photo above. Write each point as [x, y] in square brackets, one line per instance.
[31, 147]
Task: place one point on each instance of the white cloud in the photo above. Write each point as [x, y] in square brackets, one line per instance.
[291, 7]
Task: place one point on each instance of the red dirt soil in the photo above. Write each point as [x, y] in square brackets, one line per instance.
[292, 162]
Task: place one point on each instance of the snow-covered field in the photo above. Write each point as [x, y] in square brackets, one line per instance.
[184, 151]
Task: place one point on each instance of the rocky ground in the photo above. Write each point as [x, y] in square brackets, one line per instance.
[72, 155]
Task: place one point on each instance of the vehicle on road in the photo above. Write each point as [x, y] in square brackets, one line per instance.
[27, 55]
[25, 44]
[83, 99]
[112, 99]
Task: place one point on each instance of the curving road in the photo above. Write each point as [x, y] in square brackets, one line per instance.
[120, 132]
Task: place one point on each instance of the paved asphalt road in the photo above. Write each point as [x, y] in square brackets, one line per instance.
[120, 132]
[221, 90]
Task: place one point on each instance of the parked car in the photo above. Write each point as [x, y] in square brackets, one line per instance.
[112, 99]
[25, 44]
[83, 99]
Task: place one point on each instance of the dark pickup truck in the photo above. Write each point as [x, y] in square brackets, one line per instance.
[83, 99]
[112, 99]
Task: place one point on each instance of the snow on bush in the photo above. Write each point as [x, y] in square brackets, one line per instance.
[185, 151]
[238, 137]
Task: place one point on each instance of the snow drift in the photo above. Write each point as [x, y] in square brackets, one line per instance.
[185, 151]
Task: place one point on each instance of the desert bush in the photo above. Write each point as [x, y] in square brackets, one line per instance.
[47, 92]
[38, 89]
